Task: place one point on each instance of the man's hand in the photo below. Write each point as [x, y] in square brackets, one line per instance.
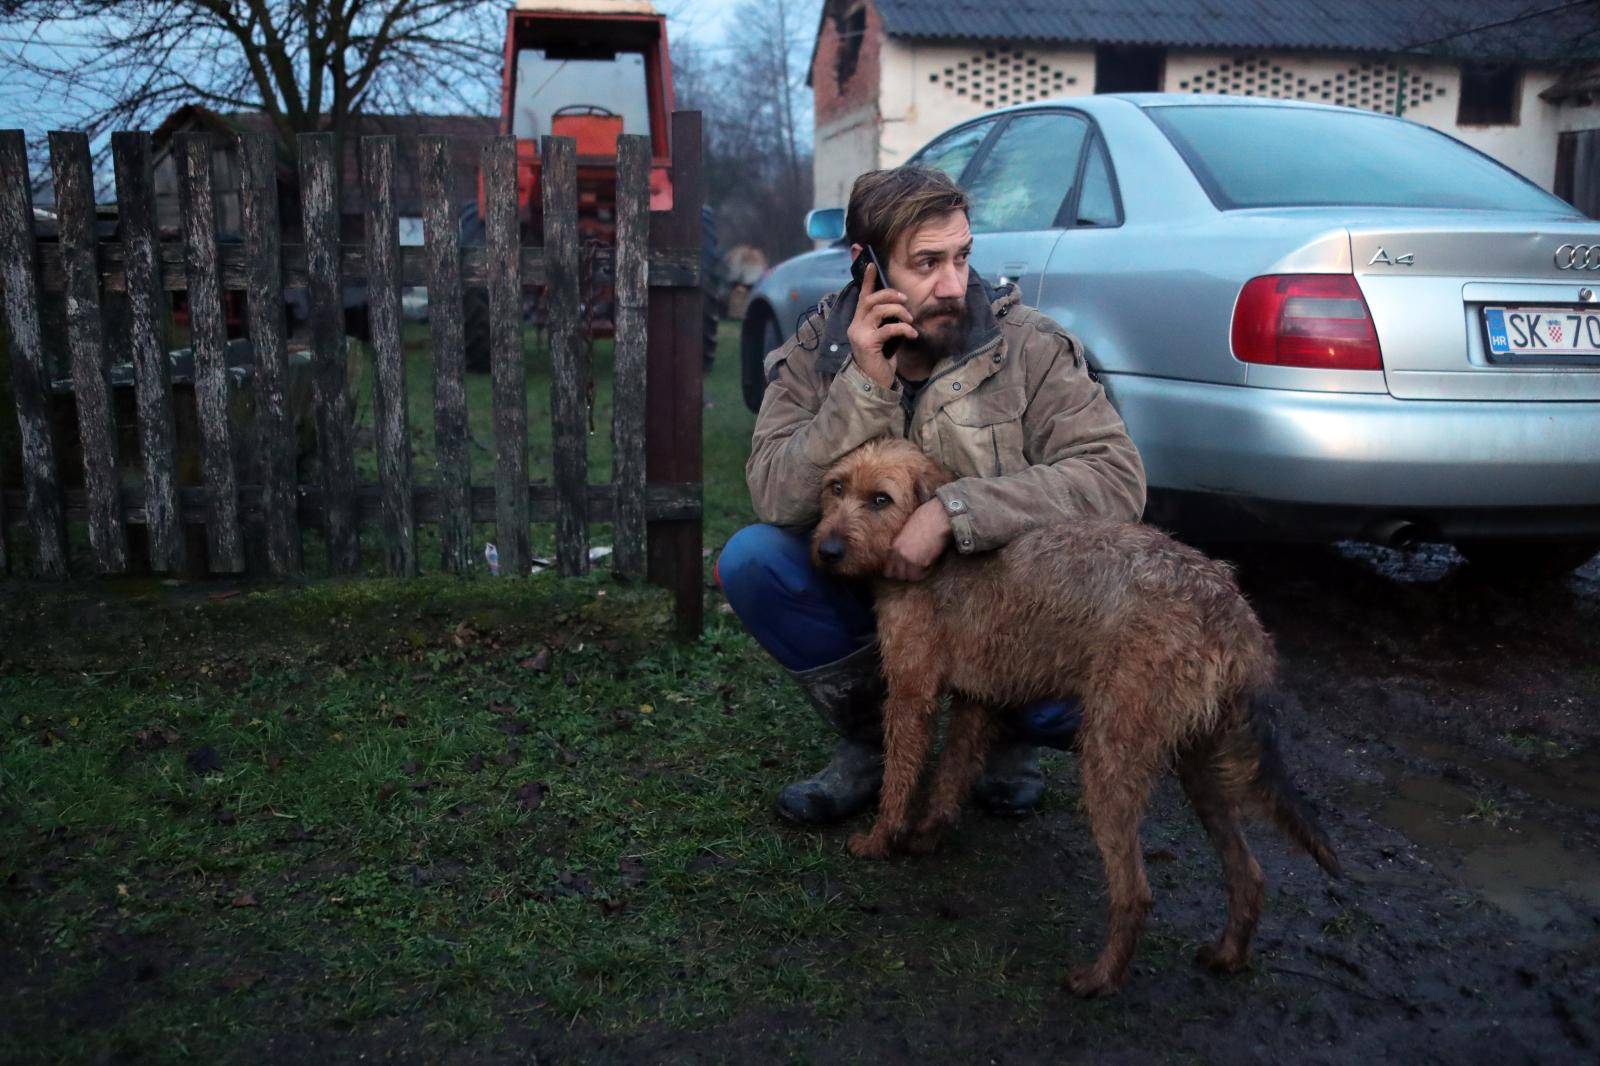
[919, 544]
[868, 329]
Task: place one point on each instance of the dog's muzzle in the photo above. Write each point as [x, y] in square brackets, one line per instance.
[831, 550]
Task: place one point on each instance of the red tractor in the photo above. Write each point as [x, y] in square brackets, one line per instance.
[590, 70]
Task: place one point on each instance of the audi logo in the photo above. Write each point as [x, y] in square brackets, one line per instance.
[1578, 257]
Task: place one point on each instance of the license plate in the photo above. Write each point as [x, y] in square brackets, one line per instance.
[1542, 330]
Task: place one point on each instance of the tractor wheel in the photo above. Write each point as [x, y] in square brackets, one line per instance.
[475, 329]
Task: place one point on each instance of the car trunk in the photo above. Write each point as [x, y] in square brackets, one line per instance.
[1428, 287]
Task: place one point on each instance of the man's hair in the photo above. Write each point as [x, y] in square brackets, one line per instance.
[884, 204]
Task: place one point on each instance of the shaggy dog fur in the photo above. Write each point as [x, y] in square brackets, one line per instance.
[1172, 665]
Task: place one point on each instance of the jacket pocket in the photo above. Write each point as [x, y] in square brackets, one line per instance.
[982, 433]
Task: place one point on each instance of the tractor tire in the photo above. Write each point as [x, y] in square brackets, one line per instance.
[475, 329]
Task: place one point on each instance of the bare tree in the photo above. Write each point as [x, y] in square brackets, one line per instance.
[311, 65]
[752, 90]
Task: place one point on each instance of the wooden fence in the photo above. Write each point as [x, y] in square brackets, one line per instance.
[653, 500]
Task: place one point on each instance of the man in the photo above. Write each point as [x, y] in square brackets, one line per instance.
[992, 389]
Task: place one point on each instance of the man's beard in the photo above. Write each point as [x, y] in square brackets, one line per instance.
[941, 329]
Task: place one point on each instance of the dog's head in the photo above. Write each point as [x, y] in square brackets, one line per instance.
[866, 498]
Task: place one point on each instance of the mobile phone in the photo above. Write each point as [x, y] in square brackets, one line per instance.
[858, 271]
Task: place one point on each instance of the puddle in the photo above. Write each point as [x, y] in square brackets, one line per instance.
[1511, 858]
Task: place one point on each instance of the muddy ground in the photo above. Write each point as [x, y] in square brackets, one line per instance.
[1447, 728]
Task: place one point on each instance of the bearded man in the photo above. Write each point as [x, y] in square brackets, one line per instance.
[992, 389]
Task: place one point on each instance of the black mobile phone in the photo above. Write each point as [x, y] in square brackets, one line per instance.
[858, 271]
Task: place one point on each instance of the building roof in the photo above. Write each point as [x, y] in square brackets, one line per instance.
[1528, 30]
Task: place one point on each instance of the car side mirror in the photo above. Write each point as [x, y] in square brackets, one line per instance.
[825, 223]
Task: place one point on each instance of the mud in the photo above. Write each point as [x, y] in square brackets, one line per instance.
[1448, 728]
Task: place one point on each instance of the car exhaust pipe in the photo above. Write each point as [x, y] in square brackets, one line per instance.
[1397, 533]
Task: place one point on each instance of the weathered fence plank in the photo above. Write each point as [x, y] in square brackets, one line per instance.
[86, 348]
[30, 378]
[147, 327]
[197, 203]
[389, 368]
[275, 440]
[628, 384]
[668, 266]
[319, 200]
[454, 469]
[568, 358]
[662, 502]
[505, 355]
[672, 429]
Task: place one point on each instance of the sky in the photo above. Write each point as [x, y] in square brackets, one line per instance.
[693, 24]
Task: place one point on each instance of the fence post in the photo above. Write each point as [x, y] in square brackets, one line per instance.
[674, 390]
[275, 437]
[86, 347]
[29, 374]
[319, 199]
[504, 270]
[443, 237]
[147, 323]
[389, 368]
[559, 185]
[631, 267]
[209, 342]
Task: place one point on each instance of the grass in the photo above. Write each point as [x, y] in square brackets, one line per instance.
[239, 816]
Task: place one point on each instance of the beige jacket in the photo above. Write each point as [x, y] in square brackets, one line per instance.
[1028, 433]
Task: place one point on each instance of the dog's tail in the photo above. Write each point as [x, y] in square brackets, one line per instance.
[1272, 788]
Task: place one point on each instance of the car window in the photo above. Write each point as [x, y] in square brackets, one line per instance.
[1306, 157]
[1027, 174]
[952, 152]
[1097, 203]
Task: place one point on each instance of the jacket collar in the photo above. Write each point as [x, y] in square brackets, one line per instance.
[985, 307]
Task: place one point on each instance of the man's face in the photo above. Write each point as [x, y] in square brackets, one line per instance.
[929, 265]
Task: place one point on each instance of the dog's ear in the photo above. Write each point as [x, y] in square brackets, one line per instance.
[929, 476]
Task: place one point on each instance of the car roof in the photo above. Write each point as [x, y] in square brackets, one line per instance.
[1100, 102]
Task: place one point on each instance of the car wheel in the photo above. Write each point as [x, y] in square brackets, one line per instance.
[759, 336]
[1527, 560]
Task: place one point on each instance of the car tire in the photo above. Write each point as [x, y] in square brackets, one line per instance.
[1526, 560]
[759, 336]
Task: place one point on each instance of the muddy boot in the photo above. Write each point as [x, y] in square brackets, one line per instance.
[1011, 783]
[848, 694]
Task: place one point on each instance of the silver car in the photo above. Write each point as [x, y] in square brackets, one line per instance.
[1318, 323]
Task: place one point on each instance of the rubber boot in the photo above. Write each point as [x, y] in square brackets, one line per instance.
[848, 694]
[1011, 783]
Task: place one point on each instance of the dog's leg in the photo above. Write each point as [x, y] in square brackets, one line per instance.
[1117, 777]
[1205, 780]
[908, 716]
[971, 734]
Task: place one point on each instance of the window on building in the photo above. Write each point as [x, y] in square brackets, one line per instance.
[1489, 94]
[852, 30]
[1128, 69]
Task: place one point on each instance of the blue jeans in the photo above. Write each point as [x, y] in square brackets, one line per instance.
[806, 619]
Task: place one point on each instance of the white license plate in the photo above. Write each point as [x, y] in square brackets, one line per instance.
[1542, 330]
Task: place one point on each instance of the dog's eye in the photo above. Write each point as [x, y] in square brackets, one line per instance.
[836, 487]
[882, 500]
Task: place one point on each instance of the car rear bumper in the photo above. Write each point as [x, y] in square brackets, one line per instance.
[1338, 464]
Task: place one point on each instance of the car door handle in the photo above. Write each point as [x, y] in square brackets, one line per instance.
[1010, 272]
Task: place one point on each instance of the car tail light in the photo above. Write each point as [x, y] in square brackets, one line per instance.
[1315, 320]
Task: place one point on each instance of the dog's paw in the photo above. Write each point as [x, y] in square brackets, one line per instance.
[869, 846]
[1219, 958]
[924, 839]
[1091, 981]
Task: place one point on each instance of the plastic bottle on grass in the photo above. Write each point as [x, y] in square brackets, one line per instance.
[492, 557]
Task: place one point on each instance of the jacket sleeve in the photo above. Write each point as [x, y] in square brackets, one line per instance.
[806, 423]
[1083, 463]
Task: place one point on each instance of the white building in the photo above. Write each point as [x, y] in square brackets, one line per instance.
[1506, 76]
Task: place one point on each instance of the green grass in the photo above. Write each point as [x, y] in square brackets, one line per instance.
[466, 807]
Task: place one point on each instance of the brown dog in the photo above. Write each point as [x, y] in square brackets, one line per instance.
[1169, 660]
